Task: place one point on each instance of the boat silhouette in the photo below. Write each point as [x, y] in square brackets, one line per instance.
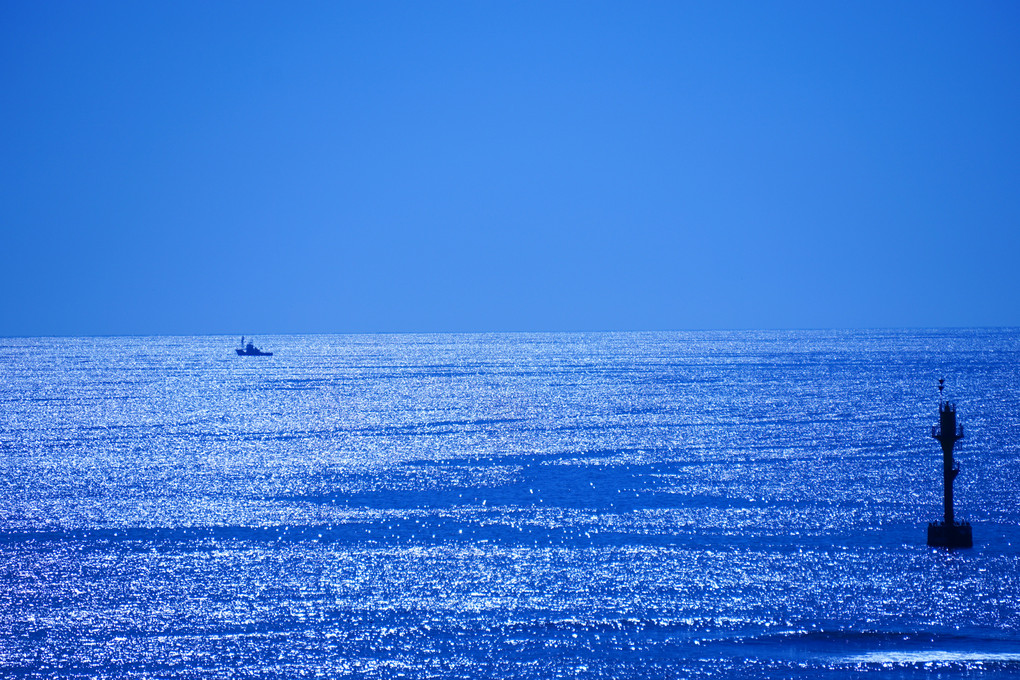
[250, 350]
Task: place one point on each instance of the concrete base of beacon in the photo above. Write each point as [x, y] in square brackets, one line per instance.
[956, 535]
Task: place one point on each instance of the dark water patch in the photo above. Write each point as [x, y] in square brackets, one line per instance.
[460, 526]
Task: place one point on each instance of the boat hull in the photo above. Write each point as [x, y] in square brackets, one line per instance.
[256, 353]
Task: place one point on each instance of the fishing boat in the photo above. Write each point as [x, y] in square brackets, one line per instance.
[250, 350]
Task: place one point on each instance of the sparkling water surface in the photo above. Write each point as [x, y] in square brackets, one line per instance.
[660, 505]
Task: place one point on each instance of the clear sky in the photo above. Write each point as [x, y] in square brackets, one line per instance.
[256, 167]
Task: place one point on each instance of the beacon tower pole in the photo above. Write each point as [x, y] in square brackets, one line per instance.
[948, 533]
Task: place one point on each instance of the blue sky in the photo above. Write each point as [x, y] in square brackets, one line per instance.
[255, 167]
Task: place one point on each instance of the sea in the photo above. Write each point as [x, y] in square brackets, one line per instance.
[605, 505]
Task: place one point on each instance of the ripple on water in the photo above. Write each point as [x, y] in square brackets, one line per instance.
[621, 505]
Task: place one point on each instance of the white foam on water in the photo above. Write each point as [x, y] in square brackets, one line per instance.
[933, 656]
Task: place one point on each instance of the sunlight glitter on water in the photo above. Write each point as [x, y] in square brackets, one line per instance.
[731, 505]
